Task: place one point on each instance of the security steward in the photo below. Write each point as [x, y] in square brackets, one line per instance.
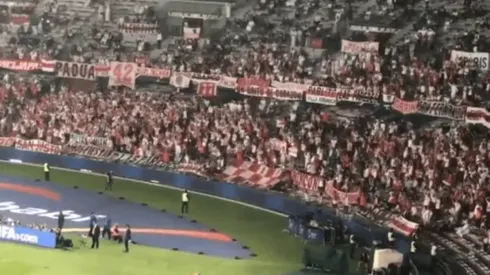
[109, 181]
[107, 228]
[46, 172]
[433, 254]
[363, 263]
[61, 221]
[391, 238]
[413, 247]
[185, 202]
[353, 244]
[127, 238]
[93, 222]
[95, 236]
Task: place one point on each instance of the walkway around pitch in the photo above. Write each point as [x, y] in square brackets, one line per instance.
[40, 202]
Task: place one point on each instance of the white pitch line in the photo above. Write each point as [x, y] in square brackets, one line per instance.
[155, 184]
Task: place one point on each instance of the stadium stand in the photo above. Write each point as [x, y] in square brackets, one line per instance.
[366, 104]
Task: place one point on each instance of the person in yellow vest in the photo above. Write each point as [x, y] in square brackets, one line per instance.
[413, 247]
[433, 254]
[391, 238]
[352, 242]
[46, 172]
[185, 202]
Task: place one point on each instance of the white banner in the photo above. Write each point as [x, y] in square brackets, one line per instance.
[359, 28]
[123, 74]
[192, 33]
[180, 80]
[359, 47]
[288, 90]
[479, 58]
[138, 28]
[321, 95]
[75, 70]
[382, 258]
[227, 82]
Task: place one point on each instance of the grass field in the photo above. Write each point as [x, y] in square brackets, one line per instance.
[278, 253]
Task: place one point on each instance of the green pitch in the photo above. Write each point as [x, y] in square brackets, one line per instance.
[278, 253]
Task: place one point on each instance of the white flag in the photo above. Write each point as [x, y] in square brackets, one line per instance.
[180, 80]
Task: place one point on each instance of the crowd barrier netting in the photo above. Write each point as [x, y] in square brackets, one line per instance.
[261, 198]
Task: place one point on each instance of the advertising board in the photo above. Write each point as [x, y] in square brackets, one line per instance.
[27, 236]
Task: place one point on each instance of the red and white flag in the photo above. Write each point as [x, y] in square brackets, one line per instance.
[477, 116]
[403, 225]
[207, 88]
[48, 65]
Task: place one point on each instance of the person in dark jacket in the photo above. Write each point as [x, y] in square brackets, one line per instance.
[127, 238]
[93, 221]
[61, 221]
[107, 228]
[109, 181]
[95, 236]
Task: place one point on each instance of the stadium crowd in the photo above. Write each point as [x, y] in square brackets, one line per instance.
[10, 222]
[427, 173]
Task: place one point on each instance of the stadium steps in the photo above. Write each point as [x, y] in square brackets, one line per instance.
[150, 3]
[122, 8]
[474, 243]
[458, 264]
[467, 253]
[461, 257]
[108, 26]
[77, 7]
[41, 7]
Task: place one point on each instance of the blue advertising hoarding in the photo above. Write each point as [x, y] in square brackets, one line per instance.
[27, 236]
[261, 198]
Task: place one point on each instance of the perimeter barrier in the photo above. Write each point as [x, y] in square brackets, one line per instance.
[26, 235]
[271, 201]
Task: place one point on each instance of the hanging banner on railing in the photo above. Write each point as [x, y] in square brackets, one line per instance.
[180, 80]
[321, 95]
[20, 65]
[253, 86]
[441, 109]
[306, 182]
[478, 58]
[123, 74]
[192, 33]
[49, 66]
[405, 107]
[75, 70]
[478, 116]
[345, 198]
[221, 80]
[288, 90]
[357, 95]
[403, 225]
[207, 88]
[138, 28]
[38, 146]
[353, 47]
